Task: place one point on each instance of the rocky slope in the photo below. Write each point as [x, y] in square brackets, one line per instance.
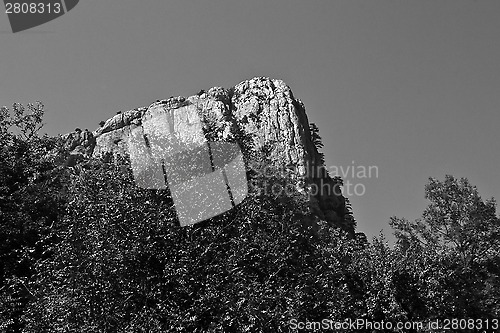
[262, 110]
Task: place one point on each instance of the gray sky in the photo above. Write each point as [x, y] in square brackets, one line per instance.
[412, 87]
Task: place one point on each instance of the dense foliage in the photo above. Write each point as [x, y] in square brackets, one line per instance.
[85, 250]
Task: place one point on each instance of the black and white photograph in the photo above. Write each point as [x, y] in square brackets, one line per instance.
[249, 166]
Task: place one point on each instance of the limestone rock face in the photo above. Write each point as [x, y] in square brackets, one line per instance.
[264, 111]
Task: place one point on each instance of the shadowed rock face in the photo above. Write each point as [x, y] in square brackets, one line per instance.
[262, 110]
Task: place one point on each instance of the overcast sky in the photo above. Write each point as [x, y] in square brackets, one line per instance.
[411, 87]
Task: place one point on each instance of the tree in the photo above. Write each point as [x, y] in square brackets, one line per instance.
[454, 250]
[32, 201]
[26, 123]
[317, 141]
[124, 264]
[457, 220]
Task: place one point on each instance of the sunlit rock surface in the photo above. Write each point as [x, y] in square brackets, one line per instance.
[262, 110]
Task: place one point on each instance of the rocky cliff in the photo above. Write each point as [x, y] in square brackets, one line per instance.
[264, 111]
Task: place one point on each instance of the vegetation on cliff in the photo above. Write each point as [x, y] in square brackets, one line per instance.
[82, 249]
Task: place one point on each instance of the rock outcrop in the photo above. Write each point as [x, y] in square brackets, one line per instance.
[79, 145]
[262, 110]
